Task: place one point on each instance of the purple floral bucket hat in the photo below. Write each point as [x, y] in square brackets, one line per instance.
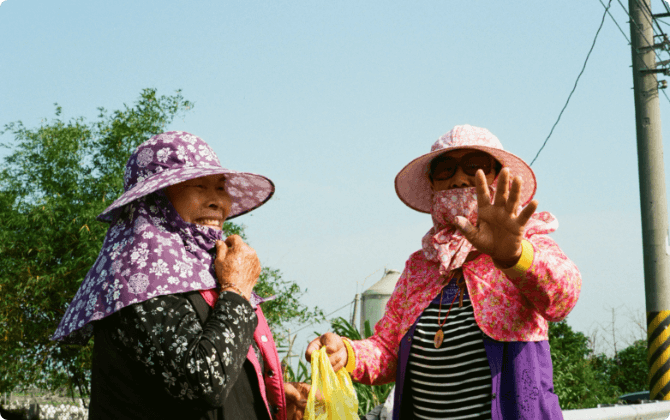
[149, 250]
[177, 156]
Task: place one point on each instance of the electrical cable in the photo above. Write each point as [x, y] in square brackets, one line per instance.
[602, 21]
[651, 18]
[665, 94]
[667, 8]
[624, 8]
[312, 323]
[648, 10]
[637, 27]
[649, 15]
[639, 30]
[615, 22]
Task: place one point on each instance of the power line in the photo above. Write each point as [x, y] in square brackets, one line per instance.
[312, 323]
[648, 9]
[639, 30]
[651, 19]
[602, 21]
[665, 94]
[628, 40]
[648, 17]
[615, 22]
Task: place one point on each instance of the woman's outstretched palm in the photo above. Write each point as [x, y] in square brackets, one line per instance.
[500, 226]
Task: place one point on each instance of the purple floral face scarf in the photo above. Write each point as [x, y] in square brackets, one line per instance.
[149, 249]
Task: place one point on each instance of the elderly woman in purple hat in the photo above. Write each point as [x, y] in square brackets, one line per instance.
[178, 331]
[464, 334]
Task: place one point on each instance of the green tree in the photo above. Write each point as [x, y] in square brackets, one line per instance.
[580, 379]
[629, 370]
[55, 180]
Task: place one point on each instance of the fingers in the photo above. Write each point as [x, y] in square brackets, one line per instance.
[482, 187]
[464, 225]
[337, 353]
[234, 240]
[335, 349]
[295, 402]
[221, 250]
[240, 265]
[294, 395]
[514, 195]
[302, 388]
[313, 346]
[337, 361]
[526, 213]
[502, 191]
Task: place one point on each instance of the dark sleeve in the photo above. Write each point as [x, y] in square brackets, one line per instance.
[195, 362]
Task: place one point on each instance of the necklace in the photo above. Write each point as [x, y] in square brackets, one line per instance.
[439, 335]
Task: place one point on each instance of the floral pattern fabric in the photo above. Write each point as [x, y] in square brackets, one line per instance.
[443, 242]
[195, 362]
[413, 182]
[149, 251]
[506, 309]
[176, 156]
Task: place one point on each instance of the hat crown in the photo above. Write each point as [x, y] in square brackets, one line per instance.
[170, 150]
[467, 135]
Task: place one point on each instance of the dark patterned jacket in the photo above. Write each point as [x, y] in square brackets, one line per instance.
[158, 360]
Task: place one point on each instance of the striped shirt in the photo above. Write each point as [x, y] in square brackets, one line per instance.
[453, 381]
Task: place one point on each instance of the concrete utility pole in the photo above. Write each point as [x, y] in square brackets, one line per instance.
[656, 246]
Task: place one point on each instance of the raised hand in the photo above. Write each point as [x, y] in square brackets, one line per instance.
[500, 225]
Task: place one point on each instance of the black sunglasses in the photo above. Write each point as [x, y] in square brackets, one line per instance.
[444, 167]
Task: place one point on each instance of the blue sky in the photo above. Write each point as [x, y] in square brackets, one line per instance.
[331, 99]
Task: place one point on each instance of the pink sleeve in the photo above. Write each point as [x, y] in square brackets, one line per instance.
[552, 283]
[376, 357]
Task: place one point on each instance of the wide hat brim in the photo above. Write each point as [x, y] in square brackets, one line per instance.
[248, 191]
[412, 184]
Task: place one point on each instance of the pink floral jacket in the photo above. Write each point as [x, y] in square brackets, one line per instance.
[507, 306]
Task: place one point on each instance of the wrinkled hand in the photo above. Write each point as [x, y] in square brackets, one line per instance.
[337, 352]
[296, 399]
[237, 263]
[500, 226]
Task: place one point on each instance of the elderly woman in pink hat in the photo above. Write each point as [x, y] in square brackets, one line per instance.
[464, 335]
[178, 331]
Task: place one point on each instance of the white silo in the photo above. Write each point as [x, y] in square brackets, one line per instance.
[373, 300]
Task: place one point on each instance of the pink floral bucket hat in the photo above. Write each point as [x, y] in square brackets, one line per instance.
[177, 156]
[412, 184]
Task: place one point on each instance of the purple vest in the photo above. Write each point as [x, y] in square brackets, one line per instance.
[521, 375]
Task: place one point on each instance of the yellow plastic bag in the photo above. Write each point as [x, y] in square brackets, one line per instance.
[339, 401]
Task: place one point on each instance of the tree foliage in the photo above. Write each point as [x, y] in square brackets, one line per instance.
[629, 369]
[56, 179]
[583, 379]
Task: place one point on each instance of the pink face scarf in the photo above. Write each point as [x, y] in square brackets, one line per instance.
[444, 243]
